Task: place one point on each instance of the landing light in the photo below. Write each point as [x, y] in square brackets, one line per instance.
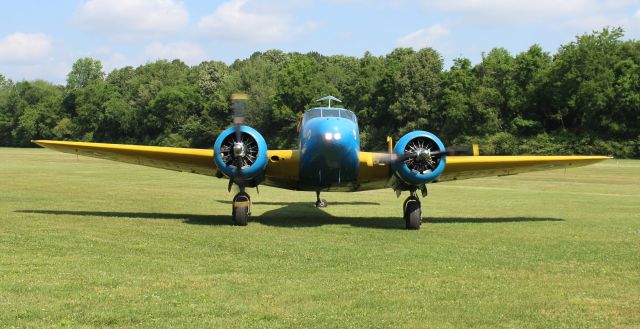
[329, 136]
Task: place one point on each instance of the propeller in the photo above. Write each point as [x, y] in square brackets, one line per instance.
[240, 145]
[423, 155]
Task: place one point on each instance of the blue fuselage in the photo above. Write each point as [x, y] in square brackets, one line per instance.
[329, 146]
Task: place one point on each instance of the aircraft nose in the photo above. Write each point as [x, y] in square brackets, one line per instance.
[331, 136]
[337, 144]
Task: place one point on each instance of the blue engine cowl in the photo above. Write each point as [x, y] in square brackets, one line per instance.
[254, 160]
[418, 171]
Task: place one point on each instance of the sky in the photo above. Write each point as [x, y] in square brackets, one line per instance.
[42, 39]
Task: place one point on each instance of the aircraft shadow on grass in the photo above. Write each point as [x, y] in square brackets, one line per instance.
[294, 214]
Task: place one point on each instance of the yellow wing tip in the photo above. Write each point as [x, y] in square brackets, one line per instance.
[476, 150]
[239, 96]
[43, 142]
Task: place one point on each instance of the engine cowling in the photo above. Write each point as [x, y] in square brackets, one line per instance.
[254, 155]
[421, 169]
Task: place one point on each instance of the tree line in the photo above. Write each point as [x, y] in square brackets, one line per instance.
[584, 99]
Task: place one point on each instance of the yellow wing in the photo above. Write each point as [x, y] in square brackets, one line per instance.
[464, 167]
[374, 175]
[197, 161]
[282, 167]
[281, 171]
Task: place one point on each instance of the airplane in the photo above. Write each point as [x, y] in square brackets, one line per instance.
[328, 158]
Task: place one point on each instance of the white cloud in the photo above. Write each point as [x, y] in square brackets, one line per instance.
[493, 12]
[132, 18]
[188, 52]
[233, 21]
[49, 70]
[427, 37]
[110, 59]
[25, 48]
[584, 24]
[569, 17]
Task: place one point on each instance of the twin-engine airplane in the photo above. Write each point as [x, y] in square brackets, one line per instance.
[328, 158]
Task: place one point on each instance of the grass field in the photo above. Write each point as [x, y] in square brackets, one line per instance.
[92, 243]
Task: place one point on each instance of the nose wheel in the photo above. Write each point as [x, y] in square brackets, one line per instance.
[320, 203]
[412, 209]
[241, 209]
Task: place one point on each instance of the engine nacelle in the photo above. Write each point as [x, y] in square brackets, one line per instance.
[422, 169]
[253, 150]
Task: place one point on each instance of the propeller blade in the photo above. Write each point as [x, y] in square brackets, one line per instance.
[391, 158]
[450, 151]
[455, 151]
[238, 103]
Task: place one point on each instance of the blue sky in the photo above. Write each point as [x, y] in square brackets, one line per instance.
[42, 39]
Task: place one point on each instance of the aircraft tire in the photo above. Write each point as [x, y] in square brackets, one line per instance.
[412, 214]
[240, 209]
[241, 216]
[322, 203]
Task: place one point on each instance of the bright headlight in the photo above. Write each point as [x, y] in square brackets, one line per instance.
[337, 136]
[328, 136]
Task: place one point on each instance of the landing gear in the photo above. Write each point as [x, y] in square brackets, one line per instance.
[241, 209]
[320, 203]
[412, 212]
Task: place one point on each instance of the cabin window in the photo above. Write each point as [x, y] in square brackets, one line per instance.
[313, 113]
[348, 115]
[329, 113]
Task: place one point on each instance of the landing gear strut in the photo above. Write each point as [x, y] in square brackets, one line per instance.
[241, 209]
[320, 203]
[412, 211]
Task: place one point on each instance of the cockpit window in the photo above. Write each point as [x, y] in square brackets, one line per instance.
[325, 112]
[330, 113]
[313, 113]
[348, 115]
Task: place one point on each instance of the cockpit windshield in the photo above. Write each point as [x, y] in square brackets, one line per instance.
[329, 112]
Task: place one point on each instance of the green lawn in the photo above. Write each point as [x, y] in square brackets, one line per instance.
[93, 243]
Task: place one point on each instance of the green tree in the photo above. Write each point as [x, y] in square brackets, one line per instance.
[8, 116]
[497, 97]
[89, 110]
[84, 72]
[457, 113]
[213, 83]
[169, 112]
[362, 97]
[36, 108]
[406, 94]
[122, 81]
[296, 90]
[256, 76]
[531, 106]
[5, 83]
[584, 81]
[625, 122]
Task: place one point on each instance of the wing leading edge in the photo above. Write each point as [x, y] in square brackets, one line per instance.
[282, 170]
[375, 175]
[199, 161]
[465, 167]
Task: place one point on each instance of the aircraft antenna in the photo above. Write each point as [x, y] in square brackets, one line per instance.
[328, 98]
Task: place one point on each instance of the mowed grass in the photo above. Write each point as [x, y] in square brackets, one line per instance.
[92, 243]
